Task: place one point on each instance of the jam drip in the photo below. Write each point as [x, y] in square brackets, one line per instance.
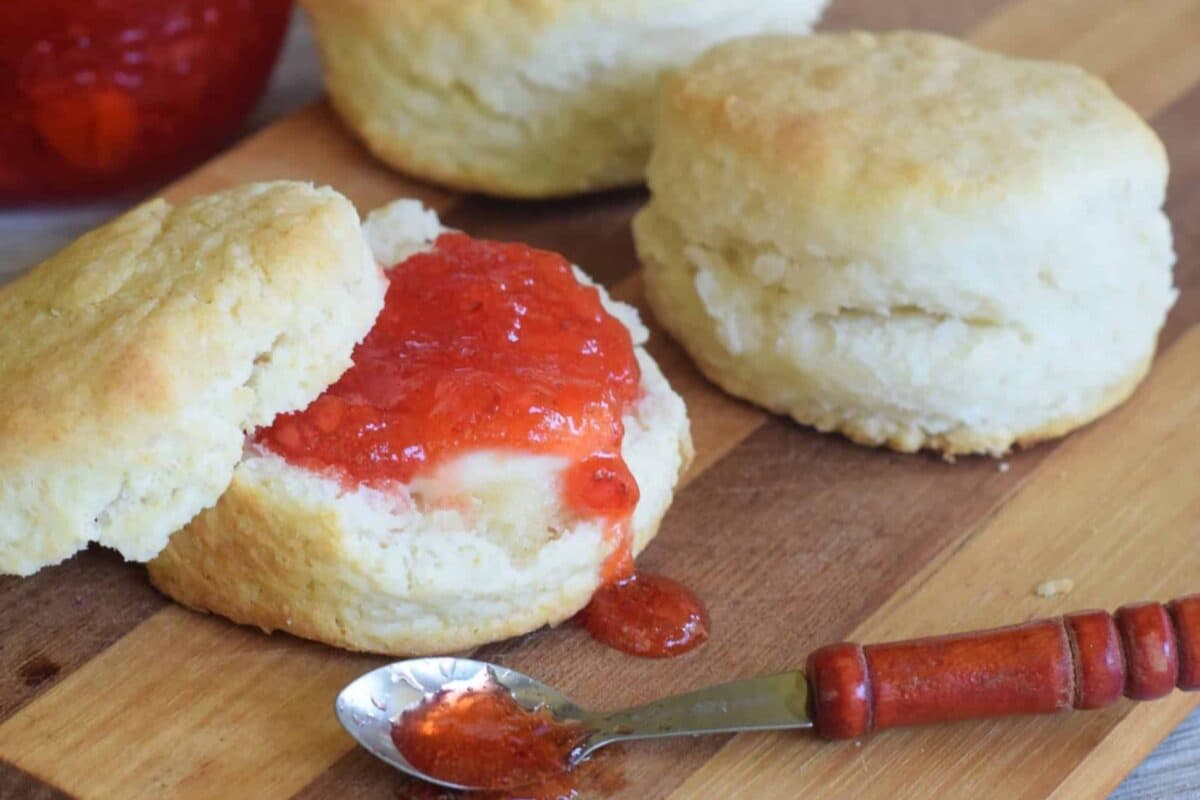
[480, 345]
[647, 615]
[482, 737]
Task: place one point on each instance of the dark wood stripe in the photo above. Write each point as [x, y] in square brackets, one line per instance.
[1178, 125]
[592, 232]
[16, 784]
[932, 15]
[57, 620]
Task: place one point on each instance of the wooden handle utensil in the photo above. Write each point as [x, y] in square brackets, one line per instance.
[1084, 660]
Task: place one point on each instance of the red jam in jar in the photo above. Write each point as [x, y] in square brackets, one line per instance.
[102, 95]
[480, 346]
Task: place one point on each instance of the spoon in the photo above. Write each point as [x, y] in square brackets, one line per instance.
[1084, 660]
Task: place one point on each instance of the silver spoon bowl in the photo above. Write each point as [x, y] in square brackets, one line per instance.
[370, 706]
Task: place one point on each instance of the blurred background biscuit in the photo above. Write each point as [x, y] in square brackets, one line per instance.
[521, 98]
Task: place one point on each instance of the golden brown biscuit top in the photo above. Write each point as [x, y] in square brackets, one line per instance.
[134, 361]
[132, 320]
[905, 112]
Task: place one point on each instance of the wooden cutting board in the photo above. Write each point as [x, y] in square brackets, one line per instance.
[795, 539]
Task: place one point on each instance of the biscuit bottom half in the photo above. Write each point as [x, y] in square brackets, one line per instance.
[482, 550]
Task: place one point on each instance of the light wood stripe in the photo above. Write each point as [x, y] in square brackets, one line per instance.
[223, 689]
[309, 145]
[1103, 527]
[1148, 51]
[1041, 28]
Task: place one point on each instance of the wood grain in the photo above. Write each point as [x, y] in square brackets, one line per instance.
[241, 701]
[794, 538]
[309, 145]
[1145, 50]
[67, 615]
[1076, 516]
[952, 18]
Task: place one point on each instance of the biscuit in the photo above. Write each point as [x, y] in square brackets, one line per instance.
[481, 549]
[134, 361]
[520, 98]
[908, 240]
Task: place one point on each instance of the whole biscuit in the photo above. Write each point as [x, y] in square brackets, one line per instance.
[521, 98]
[906, 239]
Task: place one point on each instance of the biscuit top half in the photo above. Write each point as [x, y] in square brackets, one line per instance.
[869, 121]
[134, 360]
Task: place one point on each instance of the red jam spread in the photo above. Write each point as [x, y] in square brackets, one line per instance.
[647, 615]
[484, 738]
[98, 96]
[480, 345]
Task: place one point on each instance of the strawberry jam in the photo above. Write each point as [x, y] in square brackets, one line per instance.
[105, 95]
[483, 738]
[647, 615]
[480, 346]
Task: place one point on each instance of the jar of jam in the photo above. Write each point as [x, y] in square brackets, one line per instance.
[102, 95]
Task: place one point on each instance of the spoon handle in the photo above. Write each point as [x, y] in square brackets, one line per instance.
[771, 702]
[1084, 660]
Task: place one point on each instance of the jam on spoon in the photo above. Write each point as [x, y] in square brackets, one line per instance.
[481, 737]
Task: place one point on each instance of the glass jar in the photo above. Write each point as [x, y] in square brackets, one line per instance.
[97, 96]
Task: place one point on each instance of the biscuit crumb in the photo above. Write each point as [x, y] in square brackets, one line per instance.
[1003, 467]
[1054, 588]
